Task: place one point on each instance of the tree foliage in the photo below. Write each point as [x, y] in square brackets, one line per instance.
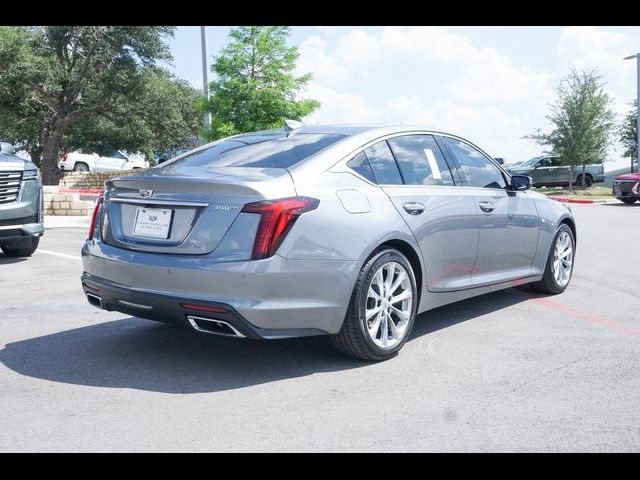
[582, 121]
[629, 133]
[92, 83]
[255, 87]
[165, 113]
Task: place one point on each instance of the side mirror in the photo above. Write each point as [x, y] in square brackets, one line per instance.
[500, 160]
[521, 182]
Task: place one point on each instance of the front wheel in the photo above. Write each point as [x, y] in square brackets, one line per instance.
[382, 309]
[24, 248]
[559, 269]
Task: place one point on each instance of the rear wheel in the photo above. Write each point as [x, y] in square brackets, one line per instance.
[588, 180]
[24, 248]
[557, 273]
[629, 201]
[382, 309]
[81, 167]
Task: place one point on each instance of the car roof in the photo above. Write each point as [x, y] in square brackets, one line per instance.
[347, 129]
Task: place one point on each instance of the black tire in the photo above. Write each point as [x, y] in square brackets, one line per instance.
[353, 339]
[629, 201]
[588, 180]
[81, 167]
[548, 284]
[24, 248]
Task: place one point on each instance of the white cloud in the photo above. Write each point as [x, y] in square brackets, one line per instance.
[340, 107]
[481, 93]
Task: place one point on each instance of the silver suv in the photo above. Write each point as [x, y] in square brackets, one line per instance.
[348, 231]
[21, 204]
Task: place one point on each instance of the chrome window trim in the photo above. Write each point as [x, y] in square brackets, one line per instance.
[342, 163]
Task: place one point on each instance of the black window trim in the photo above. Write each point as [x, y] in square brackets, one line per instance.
[457, 178]
[505, 174]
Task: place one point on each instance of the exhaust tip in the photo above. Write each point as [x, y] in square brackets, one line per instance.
[214, 326]
[94, 300]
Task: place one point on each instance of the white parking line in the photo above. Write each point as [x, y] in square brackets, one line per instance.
[63, 255]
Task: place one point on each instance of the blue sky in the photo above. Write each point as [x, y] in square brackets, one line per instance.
[489, 84]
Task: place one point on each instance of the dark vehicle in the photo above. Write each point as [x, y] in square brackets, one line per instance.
[21, 201]
[627, 187]
[547, 171]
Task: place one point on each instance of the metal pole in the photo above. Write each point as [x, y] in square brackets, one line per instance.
[205, 74]
[637, 112]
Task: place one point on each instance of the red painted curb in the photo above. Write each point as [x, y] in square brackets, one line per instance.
[573, 200]
[90, 191]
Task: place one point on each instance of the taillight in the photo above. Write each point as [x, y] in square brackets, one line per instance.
[276, 219]
[94, 217]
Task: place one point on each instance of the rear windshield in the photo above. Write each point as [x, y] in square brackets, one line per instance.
[268, 150]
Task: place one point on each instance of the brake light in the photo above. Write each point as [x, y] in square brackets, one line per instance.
[276, 219]
[94, 217]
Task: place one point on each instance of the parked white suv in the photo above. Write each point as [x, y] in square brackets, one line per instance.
[92, 162]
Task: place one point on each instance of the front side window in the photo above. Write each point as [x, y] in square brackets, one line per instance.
[420, 160]
[383, 164]
[476, 169]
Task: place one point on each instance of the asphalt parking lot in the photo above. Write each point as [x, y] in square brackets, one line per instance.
[509, 371]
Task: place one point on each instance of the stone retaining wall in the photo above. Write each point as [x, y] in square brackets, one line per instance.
[67, 203]
[91, 181]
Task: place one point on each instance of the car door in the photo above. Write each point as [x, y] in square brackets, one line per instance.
[561, 173]
[508, 220]
[112, 162]
[544, 172]
[442, 219]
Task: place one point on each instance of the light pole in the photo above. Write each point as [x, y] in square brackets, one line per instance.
[205, 74]
[637, 57]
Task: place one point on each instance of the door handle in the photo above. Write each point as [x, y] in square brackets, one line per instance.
[414, 208]
[487, 206]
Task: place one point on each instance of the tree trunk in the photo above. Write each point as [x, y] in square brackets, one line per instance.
[50, 145]
[36, 155]
[582, 179]
[570, 178]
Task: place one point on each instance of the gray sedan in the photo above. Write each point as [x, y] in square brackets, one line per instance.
[347, 231]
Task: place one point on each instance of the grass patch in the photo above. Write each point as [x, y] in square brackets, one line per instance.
[592, 193]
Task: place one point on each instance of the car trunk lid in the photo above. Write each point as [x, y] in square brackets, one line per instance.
[185, 214]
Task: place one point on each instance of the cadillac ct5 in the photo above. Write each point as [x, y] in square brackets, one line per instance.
[346, 231]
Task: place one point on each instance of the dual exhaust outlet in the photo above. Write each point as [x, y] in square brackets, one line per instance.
[214, 326]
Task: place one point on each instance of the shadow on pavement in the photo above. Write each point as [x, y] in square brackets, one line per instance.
[620, 204]
[145, 355]
[4, 260]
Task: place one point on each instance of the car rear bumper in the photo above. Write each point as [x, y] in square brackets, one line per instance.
[270, 298]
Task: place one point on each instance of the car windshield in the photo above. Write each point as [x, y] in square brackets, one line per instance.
[262, 150]
[529, 163]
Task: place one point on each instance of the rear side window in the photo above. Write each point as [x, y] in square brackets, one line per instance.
[383, 164]
[476, 169]
[360, 164]
[266, 150]
[420, 160]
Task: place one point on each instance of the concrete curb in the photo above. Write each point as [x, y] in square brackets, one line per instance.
[576, 200]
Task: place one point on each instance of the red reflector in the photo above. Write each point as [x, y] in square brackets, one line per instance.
[94, 217]
[203, 308]
[276, 219]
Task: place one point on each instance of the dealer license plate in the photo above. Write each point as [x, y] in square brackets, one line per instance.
[152, 222]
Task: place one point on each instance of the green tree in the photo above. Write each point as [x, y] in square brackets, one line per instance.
[582, 121]
[164, 114]
[54, 76]
[255, 86]
[629, 134]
